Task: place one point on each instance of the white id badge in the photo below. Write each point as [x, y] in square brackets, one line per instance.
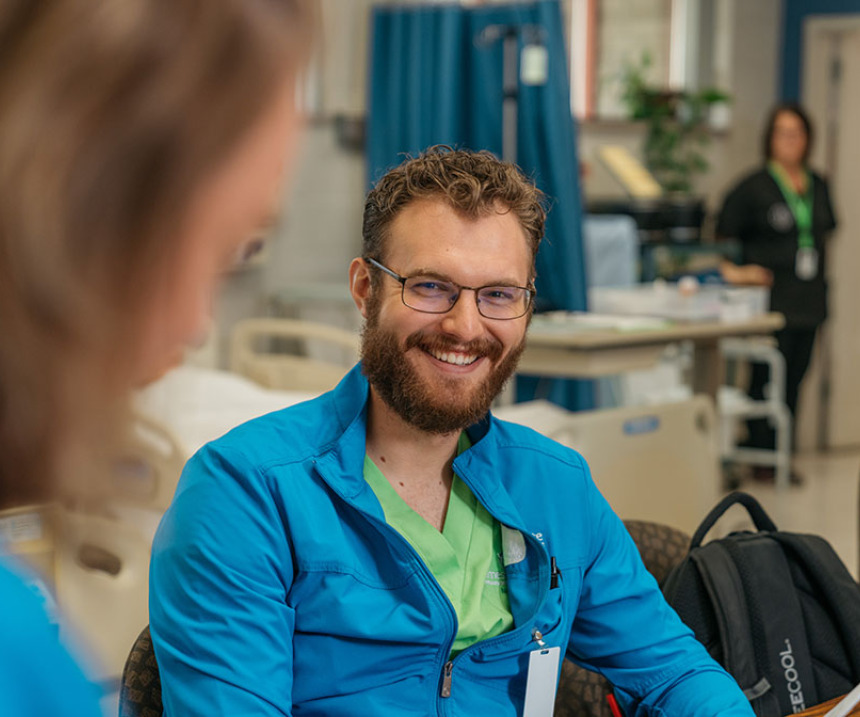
[806, 263]
[542, 682]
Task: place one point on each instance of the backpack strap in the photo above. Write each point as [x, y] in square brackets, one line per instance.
[757, 513]
[836, 588]
[776, 617]
[723, 584]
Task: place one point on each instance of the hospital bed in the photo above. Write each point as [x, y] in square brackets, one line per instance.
[289, 354]
[657, 463]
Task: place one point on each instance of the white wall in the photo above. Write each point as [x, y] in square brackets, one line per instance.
[321, 227]
[752, 72]
[319, 233]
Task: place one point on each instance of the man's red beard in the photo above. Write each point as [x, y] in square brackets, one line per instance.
[440, 407]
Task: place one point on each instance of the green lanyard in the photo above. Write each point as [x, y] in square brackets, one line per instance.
[800, 205]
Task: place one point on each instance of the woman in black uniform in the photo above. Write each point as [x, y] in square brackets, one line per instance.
[781, 215]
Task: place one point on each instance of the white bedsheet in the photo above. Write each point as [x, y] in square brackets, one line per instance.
[199, 404]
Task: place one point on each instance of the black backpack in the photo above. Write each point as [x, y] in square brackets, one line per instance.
[778, 610]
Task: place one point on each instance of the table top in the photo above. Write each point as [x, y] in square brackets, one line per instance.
[824, 708]
[586, 332]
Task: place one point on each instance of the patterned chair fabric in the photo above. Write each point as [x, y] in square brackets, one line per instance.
[140, 692]
[660, 546]
[582, 693]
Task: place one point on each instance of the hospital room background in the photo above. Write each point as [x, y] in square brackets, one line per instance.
[638, 356]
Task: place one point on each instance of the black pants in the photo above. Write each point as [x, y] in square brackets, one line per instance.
[796, 346]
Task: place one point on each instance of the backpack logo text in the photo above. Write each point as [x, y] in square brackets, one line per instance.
[792, 679]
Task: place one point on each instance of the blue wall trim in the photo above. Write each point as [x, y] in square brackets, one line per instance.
[794, 13]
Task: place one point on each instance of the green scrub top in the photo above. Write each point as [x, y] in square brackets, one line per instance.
[465, 558]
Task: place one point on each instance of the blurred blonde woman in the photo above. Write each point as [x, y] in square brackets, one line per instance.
[142, 144]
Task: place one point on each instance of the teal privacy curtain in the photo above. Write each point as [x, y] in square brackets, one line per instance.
[434, 81]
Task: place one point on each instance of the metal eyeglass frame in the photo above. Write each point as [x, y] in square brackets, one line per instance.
[403, 279]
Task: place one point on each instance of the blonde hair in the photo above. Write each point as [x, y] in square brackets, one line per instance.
[113, 112]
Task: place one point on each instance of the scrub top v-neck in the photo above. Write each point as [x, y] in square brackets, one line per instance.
[465, 557]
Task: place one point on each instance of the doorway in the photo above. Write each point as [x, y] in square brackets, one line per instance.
[830, 401]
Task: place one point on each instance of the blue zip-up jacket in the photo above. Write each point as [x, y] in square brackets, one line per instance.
[277, 587]
[38, 676]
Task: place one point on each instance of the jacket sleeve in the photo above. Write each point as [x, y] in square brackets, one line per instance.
[625, 630]
[734, 216]
[219, 576]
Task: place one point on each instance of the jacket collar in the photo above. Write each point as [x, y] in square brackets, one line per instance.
[341, 461]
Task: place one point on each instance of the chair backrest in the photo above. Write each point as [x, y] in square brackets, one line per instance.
[661, 547]
[140, 689]
[291, 371]
[582, 693]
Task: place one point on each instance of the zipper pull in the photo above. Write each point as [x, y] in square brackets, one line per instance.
[553, 574]
[446, 679]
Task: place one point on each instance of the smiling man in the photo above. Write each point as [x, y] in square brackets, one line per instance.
[391, 548]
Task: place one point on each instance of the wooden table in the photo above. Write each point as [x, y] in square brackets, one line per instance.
[570, 347]
[824, 708]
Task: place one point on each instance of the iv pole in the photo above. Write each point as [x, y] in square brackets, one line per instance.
[510, 94]
[533, 36]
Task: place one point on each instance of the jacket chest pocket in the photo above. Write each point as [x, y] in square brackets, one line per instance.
[553, 620]
[555, 617]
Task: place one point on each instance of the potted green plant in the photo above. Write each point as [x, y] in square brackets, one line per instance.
[676, 139]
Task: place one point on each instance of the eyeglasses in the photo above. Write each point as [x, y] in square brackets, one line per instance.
[431, 295]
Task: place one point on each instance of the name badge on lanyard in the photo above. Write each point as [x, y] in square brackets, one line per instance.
[800, 205]
[806, 263]
[542, 679]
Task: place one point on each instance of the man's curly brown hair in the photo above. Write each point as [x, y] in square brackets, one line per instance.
[474, 183]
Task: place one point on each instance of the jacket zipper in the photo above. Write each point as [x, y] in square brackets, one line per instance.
[448, 666]
[537, 637]
[446, 679]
